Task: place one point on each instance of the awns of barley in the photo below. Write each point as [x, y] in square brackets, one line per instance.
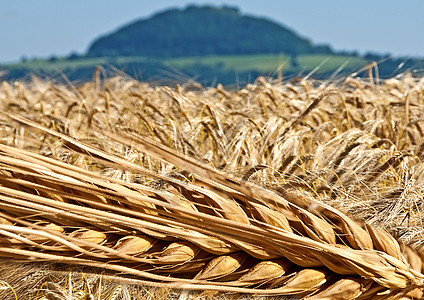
[201, 231]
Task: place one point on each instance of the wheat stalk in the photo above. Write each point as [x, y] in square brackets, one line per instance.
[212, 233]
[94, 188]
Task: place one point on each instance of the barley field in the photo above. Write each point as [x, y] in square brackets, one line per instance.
[119, 189]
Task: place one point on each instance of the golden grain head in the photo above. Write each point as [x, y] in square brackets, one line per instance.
[302, 189]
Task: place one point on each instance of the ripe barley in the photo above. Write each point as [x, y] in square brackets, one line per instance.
[205, 229]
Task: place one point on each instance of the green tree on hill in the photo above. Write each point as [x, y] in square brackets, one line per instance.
[200, 31]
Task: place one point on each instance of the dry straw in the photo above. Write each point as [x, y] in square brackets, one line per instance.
[296, 189]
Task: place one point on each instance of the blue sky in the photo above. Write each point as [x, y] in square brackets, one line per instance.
[45, 27]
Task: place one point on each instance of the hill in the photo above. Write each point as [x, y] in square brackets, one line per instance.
[209, 45]
[201, 31]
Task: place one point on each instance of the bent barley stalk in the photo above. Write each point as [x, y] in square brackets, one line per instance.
[171, 215]
[32, 189]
